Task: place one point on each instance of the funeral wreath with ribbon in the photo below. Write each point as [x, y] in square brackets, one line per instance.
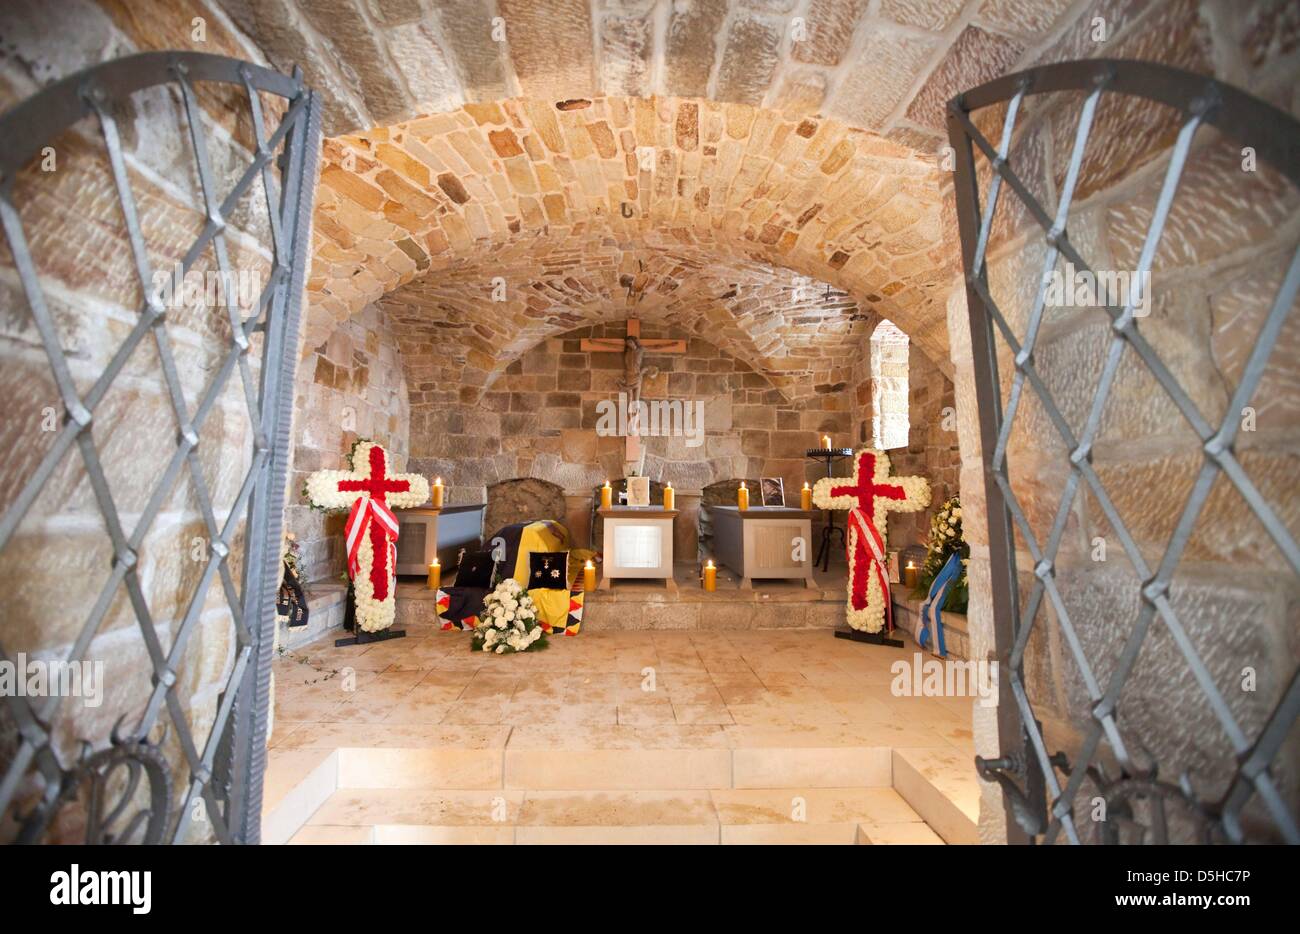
[869, 495]
[369, 493]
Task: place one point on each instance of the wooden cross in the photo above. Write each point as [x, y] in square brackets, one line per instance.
[634, 348]
[870, 496]
[618, 345]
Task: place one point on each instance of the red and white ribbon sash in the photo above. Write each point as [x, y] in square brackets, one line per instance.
[363, 511]
[871, 547]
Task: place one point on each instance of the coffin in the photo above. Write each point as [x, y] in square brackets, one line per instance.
[638, 544]
[763, 542]
[426, 533]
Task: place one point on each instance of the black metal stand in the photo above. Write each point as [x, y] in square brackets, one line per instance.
[360, 636]
[365, 638]
[875, 638]
[830, 529]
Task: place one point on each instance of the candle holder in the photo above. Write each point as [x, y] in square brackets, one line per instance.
[828, 456]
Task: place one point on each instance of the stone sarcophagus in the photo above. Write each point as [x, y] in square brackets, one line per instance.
[764, 542]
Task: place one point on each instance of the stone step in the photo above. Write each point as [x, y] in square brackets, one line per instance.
[940, 785]
[646, 816]
[752, 777]
[607, 757]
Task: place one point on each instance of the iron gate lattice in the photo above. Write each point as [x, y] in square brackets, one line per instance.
[1039, 806]
[127, 778]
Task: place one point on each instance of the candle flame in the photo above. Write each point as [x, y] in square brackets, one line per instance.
[435, 563]
[590, 566]
[437, 481]
[805, 484]
[710, 564]
[742, 484]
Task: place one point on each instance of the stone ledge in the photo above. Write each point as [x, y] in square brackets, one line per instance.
[956, 634]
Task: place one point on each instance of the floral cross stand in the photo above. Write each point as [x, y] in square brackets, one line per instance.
[869, 496]
[369, 493]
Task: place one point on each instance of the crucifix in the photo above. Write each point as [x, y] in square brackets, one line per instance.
[870, 495]
[633, 348]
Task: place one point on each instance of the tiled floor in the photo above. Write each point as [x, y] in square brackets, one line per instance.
[781, 736]
[762, 678]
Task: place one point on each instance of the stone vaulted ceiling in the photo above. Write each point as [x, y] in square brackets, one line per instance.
[800, 334]
[775, 138]
[435, 210]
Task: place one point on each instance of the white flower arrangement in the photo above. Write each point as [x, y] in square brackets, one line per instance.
[945, 540]
[508, 622]
[322, 492]
[870, 617]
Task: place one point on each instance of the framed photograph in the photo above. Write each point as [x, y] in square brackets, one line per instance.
[638, 491]
[773, 491]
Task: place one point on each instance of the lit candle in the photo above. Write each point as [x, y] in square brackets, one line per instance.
[826, 442]
[437, 492]
[805, 497]
[909, 575]
[742, 496]
[606, 496]
[710, 577]
[589, 576]
[670, 498]
[435, 575]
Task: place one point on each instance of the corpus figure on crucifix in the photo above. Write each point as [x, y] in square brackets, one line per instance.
[869, 496]
[634, 348]
[370, 493]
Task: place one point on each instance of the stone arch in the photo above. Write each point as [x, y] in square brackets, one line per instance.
[464, 193]
[521, 499]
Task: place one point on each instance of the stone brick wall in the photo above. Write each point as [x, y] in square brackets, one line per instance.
[351, 386]
[1228, 237]
[539, 420]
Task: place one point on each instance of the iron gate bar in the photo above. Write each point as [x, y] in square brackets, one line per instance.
[280, 363]
[1235, 114]
[259, 502]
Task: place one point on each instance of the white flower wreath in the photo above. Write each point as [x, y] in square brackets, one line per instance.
[322, 490]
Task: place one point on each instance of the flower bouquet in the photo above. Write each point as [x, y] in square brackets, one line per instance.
[945, 540]
[508, 622]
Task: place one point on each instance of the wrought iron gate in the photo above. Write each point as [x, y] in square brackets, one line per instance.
[128, 787]
[1041, 788]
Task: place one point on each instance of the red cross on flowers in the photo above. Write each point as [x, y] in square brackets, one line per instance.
[382, 525]
[870, 497]
[370, 493]
[865, 486]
